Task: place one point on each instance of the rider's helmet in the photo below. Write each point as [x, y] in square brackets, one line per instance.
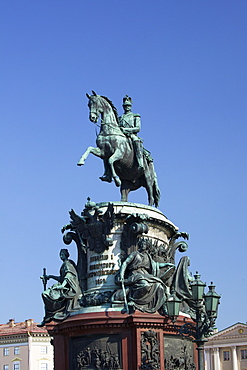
[127, 100]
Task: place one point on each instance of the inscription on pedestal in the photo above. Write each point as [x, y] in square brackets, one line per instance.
[102, 268]
[101, 265]
[100, 352]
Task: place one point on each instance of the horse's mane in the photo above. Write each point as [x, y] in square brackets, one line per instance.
[112, 106]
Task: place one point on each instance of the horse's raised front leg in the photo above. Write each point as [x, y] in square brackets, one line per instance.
[90, 149]
[115, 157]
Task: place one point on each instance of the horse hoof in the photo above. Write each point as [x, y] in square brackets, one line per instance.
[80, 163]
[117, 181]
[105, 178]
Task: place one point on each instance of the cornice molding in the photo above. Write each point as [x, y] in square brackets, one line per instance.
[23, 338]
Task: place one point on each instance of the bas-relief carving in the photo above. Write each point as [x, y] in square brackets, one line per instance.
[178, 353]
[150, 350]
[95, 352]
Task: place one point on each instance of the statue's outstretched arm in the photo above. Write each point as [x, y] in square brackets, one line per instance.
[57, 278]
[166, 264]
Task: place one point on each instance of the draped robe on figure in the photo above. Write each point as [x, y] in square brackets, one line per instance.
[59, 301]
[145, 290]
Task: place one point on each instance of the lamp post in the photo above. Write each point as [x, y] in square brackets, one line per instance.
[205, 307]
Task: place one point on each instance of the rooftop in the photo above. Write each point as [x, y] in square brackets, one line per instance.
[27, 326]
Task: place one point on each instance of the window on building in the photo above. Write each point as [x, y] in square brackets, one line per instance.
[17, 366]
[5, 367]
[243, 354]
[43, 350]
[16, 350]
[6, 351]
[44, 366]
[226, 356]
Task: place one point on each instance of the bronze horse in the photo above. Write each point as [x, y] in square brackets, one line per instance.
[117, 152]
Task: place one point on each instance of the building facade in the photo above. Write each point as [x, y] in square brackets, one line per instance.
[227, 349]
[24, 346]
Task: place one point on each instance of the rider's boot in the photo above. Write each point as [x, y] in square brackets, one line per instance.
[139, 155]
[107, 174]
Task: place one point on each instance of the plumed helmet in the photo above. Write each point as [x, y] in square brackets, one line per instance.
[127, 100]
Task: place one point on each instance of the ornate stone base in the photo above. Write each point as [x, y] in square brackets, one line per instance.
[112, 340]
[100, 334]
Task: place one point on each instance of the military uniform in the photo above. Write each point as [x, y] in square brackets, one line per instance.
[130, 124]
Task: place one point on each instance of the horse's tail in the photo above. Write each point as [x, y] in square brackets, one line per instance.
[155, 187]
[156, 192]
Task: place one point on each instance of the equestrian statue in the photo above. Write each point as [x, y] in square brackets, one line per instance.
[125, 160]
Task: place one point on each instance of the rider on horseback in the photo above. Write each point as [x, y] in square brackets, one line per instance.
[113, 146]
[130, 124]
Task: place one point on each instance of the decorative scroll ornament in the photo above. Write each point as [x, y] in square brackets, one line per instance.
[181, 245]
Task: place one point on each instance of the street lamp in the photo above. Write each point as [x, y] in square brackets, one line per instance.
[197, 288]
[173, 306]
[211, 302]
[205, 307]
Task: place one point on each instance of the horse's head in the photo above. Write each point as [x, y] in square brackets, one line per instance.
[95, 108]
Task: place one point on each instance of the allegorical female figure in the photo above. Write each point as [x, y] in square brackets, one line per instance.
[181, 284]
[62, 298]
[143, 280]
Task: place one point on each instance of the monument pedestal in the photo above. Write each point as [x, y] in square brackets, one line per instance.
[109, 310]
[101, 335]
[114, 340]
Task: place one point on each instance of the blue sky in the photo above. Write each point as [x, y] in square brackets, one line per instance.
[183, 62]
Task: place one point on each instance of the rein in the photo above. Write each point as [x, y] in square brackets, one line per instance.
[111, 125]
[102, 122]
[116, 128]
